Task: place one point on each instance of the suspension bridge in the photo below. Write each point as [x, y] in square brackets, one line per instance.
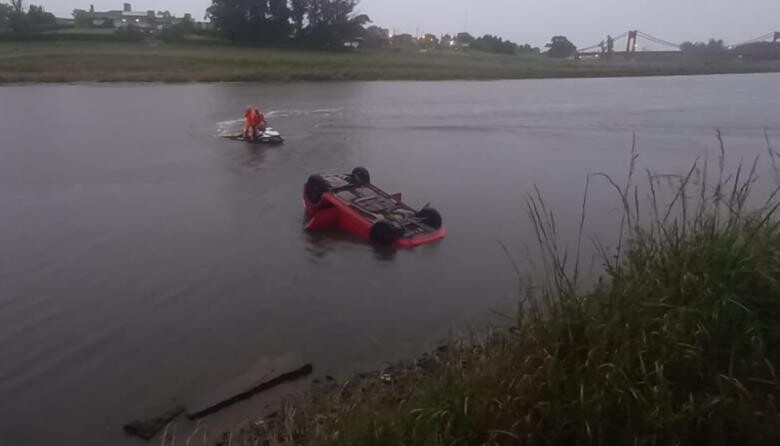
[639, 41]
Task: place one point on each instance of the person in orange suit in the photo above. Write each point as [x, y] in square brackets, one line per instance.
[249, 123]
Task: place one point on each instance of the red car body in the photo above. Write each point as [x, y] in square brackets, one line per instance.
[350, 202]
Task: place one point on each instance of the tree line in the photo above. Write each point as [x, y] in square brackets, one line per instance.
[756, 51]
[326, 22]
[709, 48]
[13, 16]
[330, 23]
[493, 44]
[377, 37]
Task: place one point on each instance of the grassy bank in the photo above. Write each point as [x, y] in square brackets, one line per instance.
[78, 61]
[678, 344]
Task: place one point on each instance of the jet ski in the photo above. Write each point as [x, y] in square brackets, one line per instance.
[269, 136]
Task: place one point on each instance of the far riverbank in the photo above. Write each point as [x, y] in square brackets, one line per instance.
[78, 61]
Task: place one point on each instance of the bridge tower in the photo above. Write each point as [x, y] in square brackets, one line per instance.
[631, 44]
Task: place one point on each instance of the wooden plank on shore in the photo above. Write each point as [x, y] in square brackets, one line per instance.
[147, 429]
[265, 375]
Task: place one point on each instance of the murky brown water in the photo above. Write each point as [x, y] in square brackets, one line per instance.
[142, 258]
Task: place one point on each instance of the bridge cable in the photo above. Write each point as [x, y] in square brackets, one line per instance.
[658, 40]
[766, 36]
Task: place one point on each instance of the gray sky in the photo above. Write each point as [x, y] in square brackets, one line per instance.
[585, 22]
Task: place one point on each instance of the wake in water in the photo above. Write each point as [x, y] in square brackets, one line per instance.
[234, 126]
[228, 128]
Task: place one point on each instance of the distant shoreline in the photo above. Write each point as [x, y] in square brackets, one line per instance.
[150, 82]
[70, 62]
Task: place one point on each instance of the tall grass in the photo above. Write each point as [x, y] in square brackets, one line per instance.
[678, 343]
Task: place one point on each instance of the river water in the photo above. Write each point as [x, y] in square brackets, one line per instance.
[143, 258]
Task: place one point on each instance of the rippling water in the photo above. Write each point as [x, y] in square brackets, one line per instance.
[144, 258]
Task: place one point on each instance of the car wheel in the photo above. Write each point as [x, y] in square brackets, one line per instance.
[430, 217]
[315, 187]
[361, 176]
[384, 233]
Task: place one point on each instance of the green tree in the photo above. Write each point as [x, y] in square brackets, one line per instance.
[429, 41]
[228, 17]
[5, 16]
[240, 19]
[81, 19]
[560, 46]
[298, 10]
[38, 17]
[323, 22]
[405, 42]
[464, 39]
[376, 37]
[332, 22]
[17, 18]
[494, 44]
[711, 48]
[279, 20]
[527, 49]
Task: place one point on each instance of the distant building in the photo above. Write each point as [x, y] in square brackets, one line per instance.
[146, 21]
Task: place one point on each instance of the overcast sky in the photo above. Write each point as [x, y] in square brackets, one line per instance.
[585, 22]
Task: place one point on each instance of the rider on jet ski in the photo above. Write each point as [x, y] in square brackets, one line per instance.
[249, 123]
[254, 122]
[260, 122]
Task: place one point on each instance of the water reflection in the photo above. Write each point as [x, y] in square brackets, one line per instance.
[385, 253]
[254, 156]
[321, 244]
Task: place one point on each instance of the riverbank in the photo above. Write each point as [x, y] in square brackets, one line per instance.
[678, 343]
[78, 61]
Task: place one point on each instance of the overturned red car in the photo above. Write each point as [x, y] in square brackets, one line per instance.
[352, 203]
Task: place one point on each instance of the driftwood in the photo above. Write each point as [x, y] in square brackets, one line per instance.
[147, 429]
[265, 375]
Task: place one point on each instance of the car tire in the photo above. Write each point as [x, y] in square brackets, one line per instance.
[360, 175]
[430, 217]
[384, 233]
[315, 187]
